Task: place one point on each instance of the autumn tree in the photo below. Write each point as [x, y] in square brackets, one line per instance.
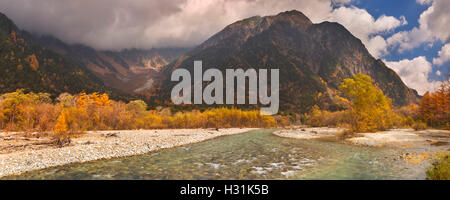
[71, 114]
[23, 111]
[434, 107]
[370, 109]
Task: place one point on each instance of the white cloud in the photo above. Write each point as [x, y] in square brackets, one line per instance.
[116, 24]
[415, 73]
[364, 26]
[434, 24]
[444, 55]
[376, 46]
[438, 73]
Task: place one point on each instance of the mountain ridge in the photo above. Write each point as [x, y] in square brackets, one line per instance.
[25, 64]
[313, 59]
[127, 70]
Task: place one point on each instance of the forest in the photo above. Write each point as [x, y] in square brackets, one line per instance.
[367, 110]
[71, 114]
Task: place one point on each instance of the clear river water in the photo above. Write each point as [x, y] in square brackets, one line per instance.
[253, 155]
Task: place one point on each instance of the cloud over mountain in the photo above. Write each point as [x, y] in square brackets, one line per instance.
[366, 27]
[144, 24]
[415, 73]
[117, 24]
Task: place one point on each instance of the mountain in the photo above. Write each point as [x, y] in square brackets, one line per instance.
[25, 63]
[313, 59]
[130, 70]
[44, 63]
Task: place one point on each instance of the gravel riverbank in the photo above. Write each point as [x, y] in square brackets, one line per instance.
[394, 138]
[96, 145]
[308, 133]
[413, 146]
[403, 138]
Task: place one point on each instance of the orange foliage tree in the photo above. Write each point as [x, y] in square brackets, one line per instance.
[434, 108]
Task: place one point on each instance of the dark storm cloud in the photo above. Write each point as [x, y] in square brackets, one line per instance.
[101, 23]
[117, 24]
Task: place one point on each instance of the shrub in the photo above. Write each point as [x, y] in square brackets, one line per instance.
[440, 169]
[282, 121]
[21, 111]
[419, 126]
[319, 118]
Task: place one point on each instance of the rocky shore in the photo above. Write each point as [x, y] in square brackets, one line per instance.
[308, 133]
[395, 138]
[404, 138]
[94, 145]
[413, 146]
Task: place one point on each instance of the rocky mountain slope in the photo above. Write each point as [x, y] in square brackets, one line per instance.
[25, 64]
[313, 59]
[128, 70]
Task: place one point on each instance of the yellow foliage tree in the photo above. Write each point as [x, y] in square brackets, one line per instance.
[61, 123]
[22, 111]
[370, 109]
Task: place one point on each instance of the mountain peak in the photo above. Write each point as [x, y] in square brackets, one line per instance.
[239, 31]
[293, 13]
[294, 18]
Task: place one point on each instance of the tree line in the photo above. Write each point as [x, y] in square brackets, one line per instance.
[37, 112]
[367, 109]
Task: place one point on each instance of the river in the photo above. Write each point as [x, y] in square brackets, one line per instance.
[254, 155]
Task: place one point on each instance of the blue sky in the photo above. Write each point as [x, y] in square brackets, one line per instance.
[408, 8]
[411, 10]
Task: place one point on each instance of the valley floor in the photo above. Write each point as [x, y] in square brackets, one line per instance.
[19, 153]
